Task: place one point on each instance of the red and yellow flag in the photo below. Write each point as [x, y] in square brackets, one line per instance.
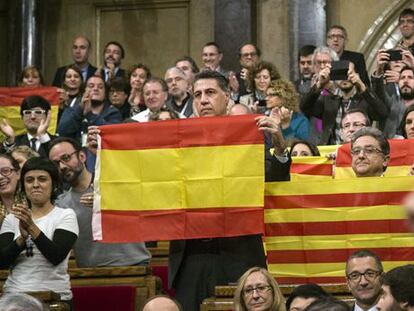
[311, 228]
[12, 97]
[401, 159]
[179, 179]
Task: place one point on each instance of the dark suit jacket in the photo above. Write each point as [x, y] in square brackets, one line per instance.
[121, 73]
[359, 62]
[59, 78]
[23, 140]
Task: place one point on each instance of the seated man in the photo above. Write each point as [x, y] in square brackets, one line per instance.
[163, 303]
[364, 274]
[35, 113]
[352, 121]
[397, 290]
[118, 96]
[370, 152]
[303, 295]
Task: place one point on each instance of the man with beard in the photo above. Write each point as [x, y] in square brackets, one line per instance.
[406, 25]
[396, 104]
[329, 100]
[398, 290]
[305, 69]
[93, 110]
[35, 113]
[364, 275]
[178, 89]
[70, 159]
[113, 55]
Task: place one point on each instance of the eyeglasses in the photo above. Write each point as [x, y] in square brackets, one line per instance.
[370, 275]
[245, 55]
[64, 158]
[37, 113]
[354, 124]
[6, 171]
[259, 289]
[368, 150]
[323, 62]
[336, 37]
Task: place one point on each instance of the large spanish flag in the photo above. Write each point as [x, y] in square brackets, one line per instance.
[401, 159]
[12, 97]
[311, 228]
[179, 179]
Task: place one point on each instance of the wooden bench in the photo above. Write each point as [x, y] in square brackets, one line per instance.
[146, 285]
[223, 295]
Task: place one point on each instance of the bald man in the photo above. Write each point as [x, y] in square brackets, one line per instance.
[161, 303]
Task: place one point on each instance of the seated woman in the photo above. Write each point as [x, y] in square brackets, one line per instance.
[303, 148]
[30, 77]
[22, 153]
[407, 123]
[36, 238]
[294, 124]
[257, 289]
[9, 184]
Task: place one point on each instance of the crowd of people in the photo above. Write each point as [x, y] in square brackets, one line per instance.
[335, 101]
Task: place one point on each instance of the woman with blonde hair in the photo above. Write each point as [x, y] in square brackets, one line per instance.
[30, 77]
[258, 290]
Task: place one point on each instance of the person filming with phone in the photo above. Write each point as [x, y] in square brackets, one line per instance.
[335, 89]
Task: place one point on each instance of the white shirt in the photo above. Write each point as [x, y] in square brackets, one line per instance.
[143, 116]
[358, 308]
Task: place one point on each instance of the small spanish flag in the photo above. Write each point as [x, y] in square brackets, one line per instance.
[179, 179]
[12, 97]
[312, 227]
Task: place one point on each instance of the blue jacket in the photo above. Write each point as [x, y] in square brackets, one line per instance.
[299, 127]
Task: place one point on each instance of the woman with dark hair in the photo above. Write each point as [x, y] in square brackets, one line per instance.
[9, 184]
[31, 77]
[258, 81]
[36, 238]
[137, 74]
[303, 148]
[407, 123]
[72, 88]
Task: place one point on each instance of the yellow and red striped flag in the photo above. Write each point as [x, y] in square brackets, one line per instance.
[179, 179]
[311, 168]
[401, 159]
[12, 97]
[311, 228]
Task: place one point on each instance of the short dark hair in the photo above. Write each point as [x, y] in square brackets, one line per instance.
[338, 27]
[222, 81]
[156, 116]
[405, 12]
[44, 164]
[401, 283]
[306, 291]
[362, 253]
[328, 304]
[404, 121]
[313, 148]
[212, 43]
[162, 82]
[75, 144]
[376, 134]
[306, 50]
[356, 110]
[118, 45]
[406, 67]
[34, 101]
[194, 67]
[119, 84]
[258, 52]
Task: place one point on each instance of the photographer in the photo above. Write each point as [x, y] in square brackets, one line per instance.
[336, 89]
[397, 101]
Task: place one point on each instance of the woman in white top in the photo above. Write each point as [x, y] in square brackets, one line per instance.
[36, 238]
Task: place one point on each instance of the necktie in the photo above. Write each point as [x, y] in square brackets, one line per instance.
[33, 144]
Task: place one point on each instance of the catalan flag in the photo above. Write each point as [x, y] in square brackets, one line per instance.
[179, 179]
[12, 97]
[311, 228]
[311, 168]
[401, 159]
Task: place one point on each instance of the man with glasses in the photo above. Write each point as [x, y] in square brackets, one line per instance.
[353, 120]
[35, 113]
[370, 152]
[335, 39]
[211, 57]
[70, 159]
[364, 277]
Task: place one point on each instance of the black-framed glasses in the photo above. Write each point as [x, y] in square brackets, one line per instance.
[368, 150]
[369, 275]
[259, 289]
[6, 171]
[65, 158]
[245, 55]
[37, 112]
[354, 124]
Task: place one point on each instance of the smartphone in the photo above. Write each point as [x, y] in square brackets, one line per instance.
[262, 103]
[339, 70]
[394, 54]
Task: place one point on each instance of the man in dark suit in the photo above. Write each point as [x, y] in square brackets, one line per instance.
[81, 47]
[35, 113]
[335, 39]
[113, 55]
